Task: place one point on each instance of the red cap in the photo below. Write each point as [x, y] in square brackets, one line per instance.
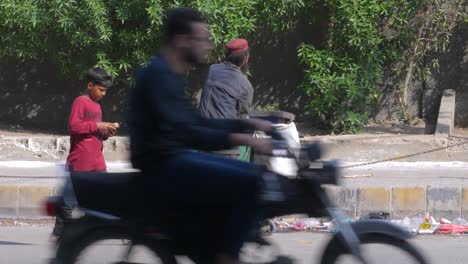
[237, 46]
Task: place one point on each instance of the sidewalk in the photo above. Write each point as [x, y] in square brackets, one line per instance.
[373, 147]
[351, 148]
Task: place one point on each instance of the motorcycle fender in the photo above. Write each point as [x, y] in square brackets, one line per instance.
[380, 227]
[78, 228]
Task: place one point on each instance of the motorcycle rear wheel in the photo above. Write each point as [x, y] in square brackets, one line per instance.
[74, 252]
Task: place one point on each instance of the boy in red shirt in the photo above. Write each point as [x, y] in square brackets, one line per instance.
[87, 131]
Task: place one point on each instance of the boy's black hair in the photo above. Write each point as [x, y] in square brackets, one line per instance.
[99, 76]
[237, 58]
[179, 21]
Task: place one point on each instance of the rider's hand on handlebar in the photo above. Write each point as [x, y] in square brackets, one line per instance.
[263, 146]
[260, 125]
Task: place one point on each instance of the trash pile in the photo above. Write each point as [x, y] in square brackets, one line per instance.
[427, 224]
[421, 224]
[298, 224]
[307, 224]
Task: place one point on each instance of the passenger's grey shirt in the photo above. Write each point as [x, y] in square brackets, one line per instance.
[227, 93]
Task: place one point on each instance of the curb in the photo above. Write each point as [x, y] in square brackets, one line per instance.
[23, 202]
[447, 202]
[55, 147]
[26, 202]
[348, 148]
[61, 143]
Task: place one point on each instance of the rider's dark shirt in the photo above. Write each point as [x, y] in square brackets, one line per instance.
[162, 120]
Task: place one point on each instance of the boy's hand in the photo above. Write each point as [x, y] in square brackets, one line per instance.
[112, 133]
[106, 128]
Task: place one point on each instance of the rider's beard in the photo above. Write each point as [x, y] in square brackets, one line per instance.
[191, 58]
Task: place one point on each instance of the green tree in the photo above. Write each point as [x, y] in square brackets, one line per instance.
[343, 77]
[119, 35]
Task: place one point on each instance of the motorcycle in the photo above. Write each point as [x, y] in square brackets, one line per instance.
[107, 206]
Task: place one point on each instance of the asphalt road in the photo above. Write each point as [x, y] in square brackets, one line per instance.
[29, 245]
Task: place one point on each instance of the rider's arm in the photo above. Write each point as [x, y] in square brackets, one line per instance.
[232, 125]
[261, 145]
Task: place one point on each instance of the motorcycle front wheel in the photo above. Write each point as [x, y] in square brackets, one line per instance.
[375, 248]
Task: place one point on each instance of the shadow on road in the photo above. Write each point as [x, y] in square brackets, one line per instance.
[8, 243]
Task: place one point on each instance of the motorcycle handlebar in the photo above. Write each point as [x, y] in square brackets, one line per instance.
[275, 135]
[309, 152]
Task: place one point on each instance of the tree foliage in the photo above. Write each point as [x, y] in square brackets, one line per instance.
[119, 35]
[341, 77]
[366, 36]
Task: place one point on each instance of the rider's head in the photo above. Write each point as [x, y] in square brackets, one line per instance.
[187, 32]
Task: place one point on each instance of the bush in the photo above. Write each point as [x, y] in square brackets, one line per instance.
[343, 77]
[119, 35]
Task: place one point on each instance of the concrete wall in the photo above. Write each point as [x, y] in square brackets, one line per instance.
[424, 97]
[35, 96]
[453, 74]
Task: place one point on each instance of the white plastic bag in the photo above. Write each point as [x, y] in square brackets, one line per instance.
[283, 165]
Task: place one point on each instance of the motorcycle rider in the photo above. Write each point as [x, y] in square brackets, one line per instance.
[166, 132]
